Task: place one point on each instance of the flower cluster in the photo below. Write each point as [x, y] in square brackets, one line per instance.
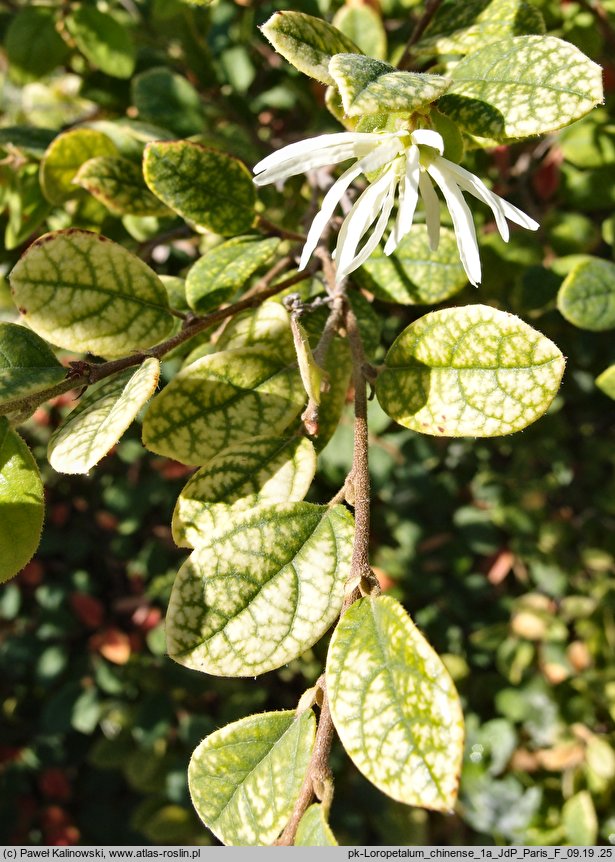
[403, 166]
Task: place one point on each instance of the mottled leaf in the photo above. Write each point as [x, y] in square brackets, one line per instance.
[100, 418]
[264, 588]
[522, 86]
[207, 187]
[307, 42]
[394, 705]
[370, 86]
[244, 778]
[21, 503]
[260, 471]
[27, 363]
[587, 296]
[268, 325]
[225, 269]
[118, 183]
[413, 274]
[220, 400]
[470, 371]
[606, 381]
[63, 158]
[313, 830]
[103, 40]
[83, 292]
[460, 28]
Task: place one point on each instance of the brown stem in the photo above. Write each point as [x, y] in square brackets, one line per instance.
[145, 250]
[192, 326]
[318, 780]
[431, 7]
[276, 230]
[319, 772]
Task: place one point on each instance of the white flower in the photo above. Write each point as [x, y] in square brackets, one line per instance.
[406, 165]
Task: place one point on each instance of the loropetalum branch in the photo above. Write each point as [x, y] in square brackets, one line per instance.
[84, 373]
[319, 781]
[431, 7]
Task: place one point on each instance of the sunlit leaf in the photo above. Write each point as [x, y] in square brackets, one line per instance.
[65, 155]
[220, 400]
[227, 268]
[244, 778]
[413, 274]
[118, 184]
[313, 830]
[100, 418]
[523, 86]
[394, 705]
[21, 503]
[81, 291]
[263, 588]
[370, 86]
[606, 381]
[259, 471]
[207, 187]
[471, 371]
[460, 28]
[307, 42]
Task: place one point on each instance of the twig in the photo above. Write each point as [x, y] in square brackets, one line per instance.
[431, 7]
[269, 227]
[92, 373]
[318, 781]
[145, 250]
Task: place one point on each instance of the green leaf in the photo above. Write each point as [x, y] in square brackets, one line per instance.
[207, 187]
[27, 362]
[579, 819]
[363, 25]
[220, 400]
[265, 326]
[83, 292]
[413, 274]
[168, 100]
[244, 779]
[461, 28]
[258, 472]
[103, 40]
[370, 86]
[394, 705]
[522, 86]
[21, 503]
[33, 46]
[606, 381]
[266, 587]
[101, 417]
[307, 42]
[587, 297]
[226, 269]
[118, 184]
[314, 831]
[470, 371]
[63, 158]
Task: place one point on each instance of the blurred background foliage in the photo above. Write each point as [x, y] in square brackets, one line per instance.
[502, 550]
